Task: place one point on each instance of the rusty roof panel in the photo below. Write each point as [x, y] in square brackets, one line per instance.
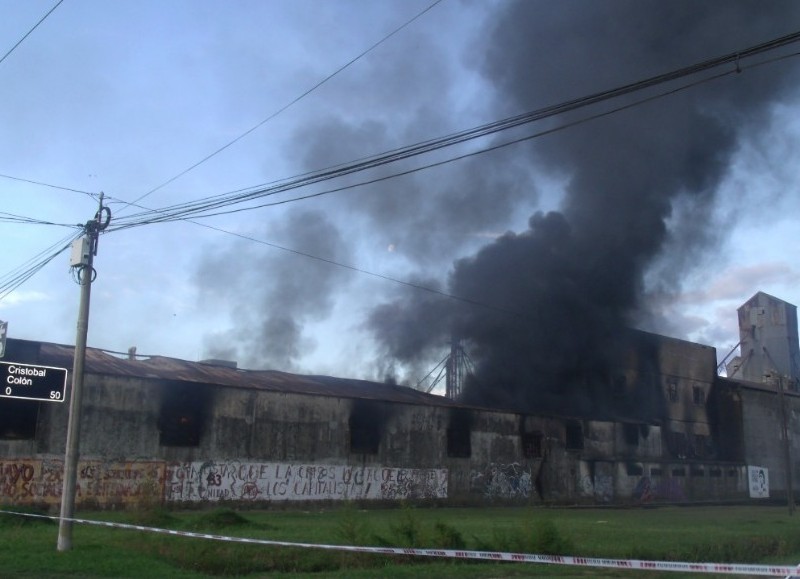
[163, 368]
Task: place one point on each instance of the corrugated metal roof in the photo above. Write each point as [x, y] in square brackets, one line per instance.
[163, 368]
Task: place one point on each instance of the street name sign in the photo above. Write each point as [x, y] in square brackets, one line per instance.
[29, 382]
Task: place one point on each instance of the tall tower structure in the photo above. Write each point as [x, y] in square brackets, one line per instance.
[455, 370]
[768, 341]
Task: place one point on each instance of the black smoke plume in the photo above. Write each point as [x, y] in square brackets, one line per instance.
[562, 291]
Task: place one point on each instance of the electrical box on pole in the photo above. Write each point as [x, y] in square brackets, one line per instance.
[80, 252]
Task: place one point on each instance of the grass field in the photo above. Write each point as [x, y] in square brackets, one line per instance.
[731, 534]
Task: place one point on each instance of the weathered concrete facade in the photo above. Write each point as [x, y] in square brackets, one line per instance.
[179, 432]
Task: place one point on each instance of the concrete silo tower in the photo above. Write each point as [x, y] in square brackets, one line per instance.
[768, 339]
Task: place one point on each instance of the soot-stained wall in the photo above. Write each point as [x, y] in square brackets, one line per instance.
[178, 441]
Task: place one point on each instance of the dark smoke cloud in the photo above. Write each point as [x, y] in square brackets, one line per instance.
[272, 293]
[640, 182]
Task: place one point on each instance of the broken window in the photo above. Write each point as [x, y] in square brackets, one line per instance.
[630, 432]
[634, 469]
[680, 444]
[531, 444]
[183, 414]
[672, 389]
[18, 419]
[573, 435]
[698, 396]
[365, 422]
[459, 434]
[702, 446]
[620, 386]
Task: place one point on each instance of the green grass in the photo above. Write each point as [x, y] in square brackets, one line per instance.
[742, 534]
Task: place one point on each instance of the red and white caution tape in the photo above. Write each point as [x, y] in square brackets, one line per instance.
[729, 568]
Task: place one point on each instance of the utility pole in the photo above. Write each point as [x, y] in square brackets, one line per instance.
[82, 261]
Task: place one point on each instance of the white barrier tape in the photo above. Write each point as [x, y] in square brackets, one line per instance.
[729, 568]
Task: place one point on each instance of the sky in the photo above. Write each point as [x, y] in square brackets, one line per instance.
[123, 97]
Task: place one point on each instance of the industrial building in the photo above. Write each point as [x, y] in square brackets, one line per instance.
[190, 433]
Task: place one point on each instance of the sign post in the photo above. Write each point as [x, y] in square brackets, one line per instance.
[28, 382]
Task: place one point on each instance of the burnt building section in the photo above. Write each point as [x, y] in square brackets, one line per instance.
[178, 432]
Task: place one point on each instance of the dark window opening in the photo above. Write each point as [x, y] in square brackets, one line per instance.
[678, 472]
[698, 472]
[672, 389]
[183, 414]
[620, 386]
[459, 434]
[630, 433]
[702, 446]
[698, 396]
[680, 444]
[715, 473]
[532, 444]
[655, 472]
[574, 435]
[634, 469]
[366, 419]
[18, 419]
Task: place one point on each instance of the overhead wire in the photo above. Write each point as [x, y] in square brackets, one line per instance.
[173, 214]
[22, 273]
[450, 160]
[463, 156]
[288, 105]
[14, 218]
[35, 26]
[639, 102]
[42, 184]
[209, 205]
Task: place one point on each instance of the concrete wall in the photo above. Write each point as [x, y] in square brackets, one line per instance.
[255, 446]
[763, 434]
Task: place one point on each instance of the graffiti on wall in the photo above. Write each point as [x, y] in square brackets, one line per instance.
[599, 486]
[250, 481]
[106, 483]
[647, 490]
[595, 480]
[102, 483]
[503, 481]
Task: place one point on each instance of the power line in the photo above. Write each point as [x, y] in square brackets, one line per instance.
[286, 106]
[14, 218]
[212, 205]
[22, 273]
[40, 183]
[35, 26]
[173, 213]
[439, 163]
[639, 102]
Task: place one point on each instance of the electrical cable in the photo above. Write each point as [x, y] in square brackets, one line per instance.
[463, 156]
[286, 106]
[22, 180]
[13, 218]
[184, 209]
[450, 160]
[35, 26]
[22, 273]
[198, 207]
